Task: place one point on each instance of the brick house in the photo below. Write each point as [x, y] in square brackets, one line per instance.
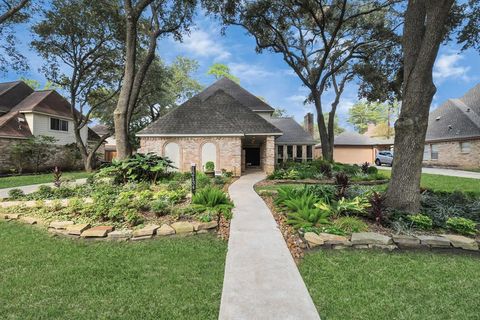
[230, 126]
[453, 134]
[25, 113]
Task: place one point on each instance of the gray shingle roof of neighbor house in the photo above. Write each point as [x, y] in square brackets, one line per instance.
[237, 92]
[218, 114]
[293, 133]
[456, 119]
[349, 138]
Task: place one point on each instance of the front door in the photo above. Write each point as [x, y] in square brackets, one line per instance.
[252, 157]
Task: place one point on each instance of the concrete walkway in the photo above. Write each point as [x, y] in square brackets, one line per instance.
[446, 172]
[34, 187]
[261, 278]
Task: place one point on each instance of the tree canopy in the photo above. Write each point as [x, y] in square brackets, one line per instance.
[219, 70]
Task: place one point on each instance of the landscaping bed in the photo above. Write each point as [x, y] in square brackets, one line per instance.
[135, 199]
[348, 215]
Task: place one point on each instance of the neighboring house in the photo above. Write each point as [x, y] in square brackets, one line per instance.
[355, 148]
[229, 126]
[110, 148]
[25, 113]
[453, 134]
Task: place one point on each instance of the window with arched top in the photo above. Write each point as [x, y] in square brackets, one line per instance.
[172, 152]
[209, 153]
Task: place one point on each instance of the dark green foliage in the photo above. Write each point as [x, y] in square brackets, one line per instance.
[462, 225]
[307, 217]
[304, 201]
[212, 200]
[140, 167]
[421, 221]
[321, 191]
[16, 194]
[372, 170]
[209, 166]
[31, 153]
[203, 180]
[342, 183]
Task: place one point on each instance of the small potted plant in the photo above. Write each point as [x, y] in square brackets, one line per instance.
[210, 169]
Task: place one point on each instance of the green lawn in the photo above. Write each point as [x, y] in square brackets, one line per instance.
[446, 183]
[51, 278]
[17, 181]
[378, 285]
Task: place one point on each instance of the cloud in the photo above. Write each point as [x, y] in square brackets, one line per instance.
[448, 67]
[201, 44]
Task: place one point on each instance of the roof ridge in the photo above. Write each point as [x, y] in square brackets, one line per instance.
[467, 111]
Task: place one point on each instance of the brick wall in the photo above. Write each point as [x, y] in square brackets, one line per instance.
[5, 145]
[450, 155]
[229, 151]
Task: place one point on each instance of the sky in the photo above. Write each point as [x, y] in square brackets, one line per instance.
[266, 74]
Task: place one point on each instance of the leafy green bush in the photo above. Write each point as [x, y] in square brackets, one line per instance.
[203, 180]
[16, 194]
[443, 205]
[350, 224]
[372, 170]
[421, 221]
[286, 193]
[140, 167]
[209, 166]
[304, 201]
[160, 207]
[308, 217]
[356, 206]
[462, 225]
[212, 200]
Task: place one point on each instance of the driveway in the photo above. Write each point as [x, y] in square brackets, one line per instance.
[446, 172]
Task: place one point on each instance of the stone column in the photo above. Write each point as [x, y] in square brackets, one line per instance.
[285, 153]
[269, 162]
[294, 152]
[304, 153]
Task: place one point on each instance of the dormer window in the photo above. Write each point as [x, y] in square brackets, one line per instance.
[58, 124]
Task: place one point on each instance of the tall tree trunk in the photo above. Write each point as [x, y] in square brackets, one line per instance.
[325, 140]
[120, 114]
[424, 29]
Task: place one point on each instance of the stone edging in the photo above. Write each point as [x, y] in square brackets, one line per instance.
[372, 240]
[107, 232]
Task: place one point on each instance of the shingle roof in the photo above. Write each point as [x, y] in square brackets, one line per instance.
[456, 118]
[219, 113]
[236, 91]
[17, 97]
[350, 138]
[293, 133]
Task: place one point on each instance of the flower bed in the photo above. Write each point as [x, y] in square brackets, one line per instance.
[122, 197]
[334, 216]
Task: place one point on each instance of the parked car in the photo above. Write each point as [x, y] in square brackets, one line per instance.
[384, 157]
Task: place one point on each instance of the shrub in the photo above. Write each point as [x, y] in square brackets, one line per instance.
[209, 166]
[462, 225]
[286, 193]
[160, 207]
[372, 170]
[203, 180]
[377, 203]
[342, 183]
[365, 167]
[57, 175]
[16, 194]
[305, 201]
[421, 221]
[326, 169]
[140, 167]
[308, 217]
[350, 224]
[325, 192]
[357, 205]
[212, 200]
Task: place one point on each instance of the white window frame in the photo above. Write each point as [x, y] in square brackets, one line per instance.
[60, 121]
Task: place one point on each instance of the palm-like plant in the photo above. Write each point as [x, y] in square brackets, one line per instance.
[212, 200]
[308, 217]
[304, 201]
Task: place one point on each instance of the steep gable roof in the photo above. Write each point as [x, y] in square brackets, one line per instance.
[219, 113]
[456, 118]
[293, 133]
[11, 93]
[237, 92]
